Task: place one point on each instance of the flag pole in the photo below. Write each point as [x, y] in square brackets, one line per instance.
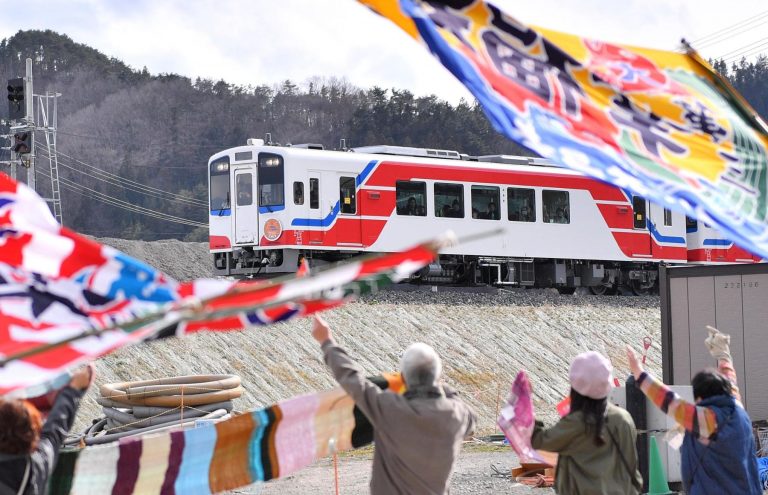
[727, 89]
[187, 310]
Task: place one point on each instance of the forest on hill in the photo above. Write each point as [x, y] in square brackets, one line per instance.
[127, 136]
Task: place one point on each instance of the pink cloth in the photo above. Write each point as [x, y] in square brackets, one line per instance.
[517, 419]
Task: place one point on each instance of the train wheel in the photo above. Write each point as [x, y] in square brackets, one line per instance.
[566, 291]
[602, 290]
[640, 290]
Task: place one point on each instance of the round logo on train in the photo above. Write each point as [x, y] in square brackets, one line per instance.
[273, 229]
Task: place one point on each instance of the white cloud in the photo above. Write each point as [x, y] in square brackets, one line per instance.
[267, 41]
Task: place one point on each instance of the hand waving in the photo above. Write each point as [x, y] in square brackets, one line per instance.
[634, 364]
[718, 344]
[320, 329]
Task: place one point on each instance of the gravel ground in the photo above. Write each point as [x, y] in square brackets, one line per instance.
[473, 475]
[484, 337]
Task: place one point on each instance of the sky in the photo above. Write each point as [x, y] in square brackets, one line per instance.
[252, 42]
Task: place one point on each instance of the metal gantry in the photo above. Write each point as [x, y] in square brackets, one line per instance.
[47, 112]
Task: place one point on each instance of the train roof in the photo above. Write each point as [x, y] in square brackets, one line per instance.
[415, 155]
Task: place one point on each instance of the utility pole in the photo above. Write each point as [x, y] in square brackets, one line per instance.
[30, 124]
[22, 122]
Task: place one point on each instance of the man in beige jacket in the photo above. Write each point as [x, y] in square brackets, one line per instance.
[418, 434]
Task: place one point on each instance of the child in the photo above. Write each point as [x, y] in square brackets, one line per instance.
[596, 440]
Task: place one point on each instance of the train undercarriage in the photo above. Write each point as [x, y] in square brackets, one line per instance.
[599, 277]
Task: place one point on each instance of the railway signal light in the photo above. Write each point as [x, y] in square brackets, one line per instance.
[22, 142]
[17, 108]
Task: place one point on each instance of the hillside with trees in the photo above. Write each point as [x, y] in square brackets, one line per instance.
[160, 130]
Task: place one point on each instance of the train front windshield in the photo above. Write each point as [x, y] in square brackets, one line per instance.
[271, 180]
[219, 190]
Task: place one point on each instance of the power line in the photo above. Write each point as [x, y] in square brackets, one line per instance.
[130, 181]
[134, 189]
[105, 198]
[130, 184]
[739, 28]
[748, 50]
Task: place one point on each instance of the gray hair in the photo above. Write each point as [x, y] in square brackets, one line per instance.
[420, 365]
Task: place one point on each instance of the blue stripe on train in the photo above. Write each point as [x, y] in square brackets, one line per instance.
[328, 220]
[663, 238]
[271, 209]
[717, 242]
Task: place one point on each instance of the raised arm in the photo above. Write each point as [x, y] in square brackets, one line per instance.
[719, 346]
[347, 373]
[700, 421]
[60, 420]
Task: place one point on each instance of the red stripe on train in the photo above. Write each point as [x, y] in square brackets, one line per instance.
[733, 254]
[387, 173]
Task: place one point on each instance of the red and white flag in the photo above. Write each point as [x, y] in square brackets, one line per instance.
[65, 299]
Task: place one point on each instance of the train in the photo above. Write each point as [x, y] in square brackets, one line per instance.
[272, 206]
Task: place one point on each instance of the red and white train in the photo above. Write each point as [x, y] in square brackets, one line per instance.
[270, 206]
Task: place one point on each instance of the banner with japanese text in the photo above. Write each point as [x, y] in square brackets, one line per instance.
[662, 125]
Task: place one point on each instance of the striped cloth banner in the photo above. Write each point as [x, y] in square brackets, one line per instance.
[260, 445]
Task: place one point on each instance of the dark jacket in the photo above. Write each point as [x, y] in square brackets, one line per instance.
[417, 435]
[585, 468]
[727, 464]
[43, 459]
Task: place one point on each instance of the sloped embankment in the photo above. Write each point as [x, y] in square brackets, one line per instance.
[484, 338]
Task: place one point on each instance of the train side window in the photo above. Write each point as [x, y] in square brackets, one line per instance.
[298, 193]
[449, 200]
[314, 193]
[521, 204]
[411, 198]
[348, 198]
[667, 217]
[638, 209]
[691, 224]
[485, 202]
[556, 206]
[244, 189]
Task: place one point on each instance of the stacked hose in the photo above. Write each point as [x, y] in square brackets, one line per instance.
[135, 408]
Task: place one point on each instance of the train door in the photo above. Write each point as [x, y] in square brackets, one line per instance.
[642, 245]
[246, 211]
[348, 227]
[316, 216]
[667, 230]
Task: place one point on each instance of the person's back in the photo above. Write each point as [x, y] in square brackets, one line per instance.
[595, 440]
[718, 451]
[418, 434]
[725, 462]
[418, 438]
[583, 466]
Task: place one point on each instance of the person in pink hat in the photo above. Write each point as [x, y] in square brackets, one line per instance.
[595, 440]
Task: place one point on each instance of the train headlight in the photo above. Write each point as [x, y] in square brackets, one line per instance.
[222, 167]
[273, 229]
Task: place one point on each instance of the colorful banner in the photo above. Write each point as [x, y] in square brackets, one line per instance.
[517, 418]
[660, 124]
[65, 299]
[255, 446]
